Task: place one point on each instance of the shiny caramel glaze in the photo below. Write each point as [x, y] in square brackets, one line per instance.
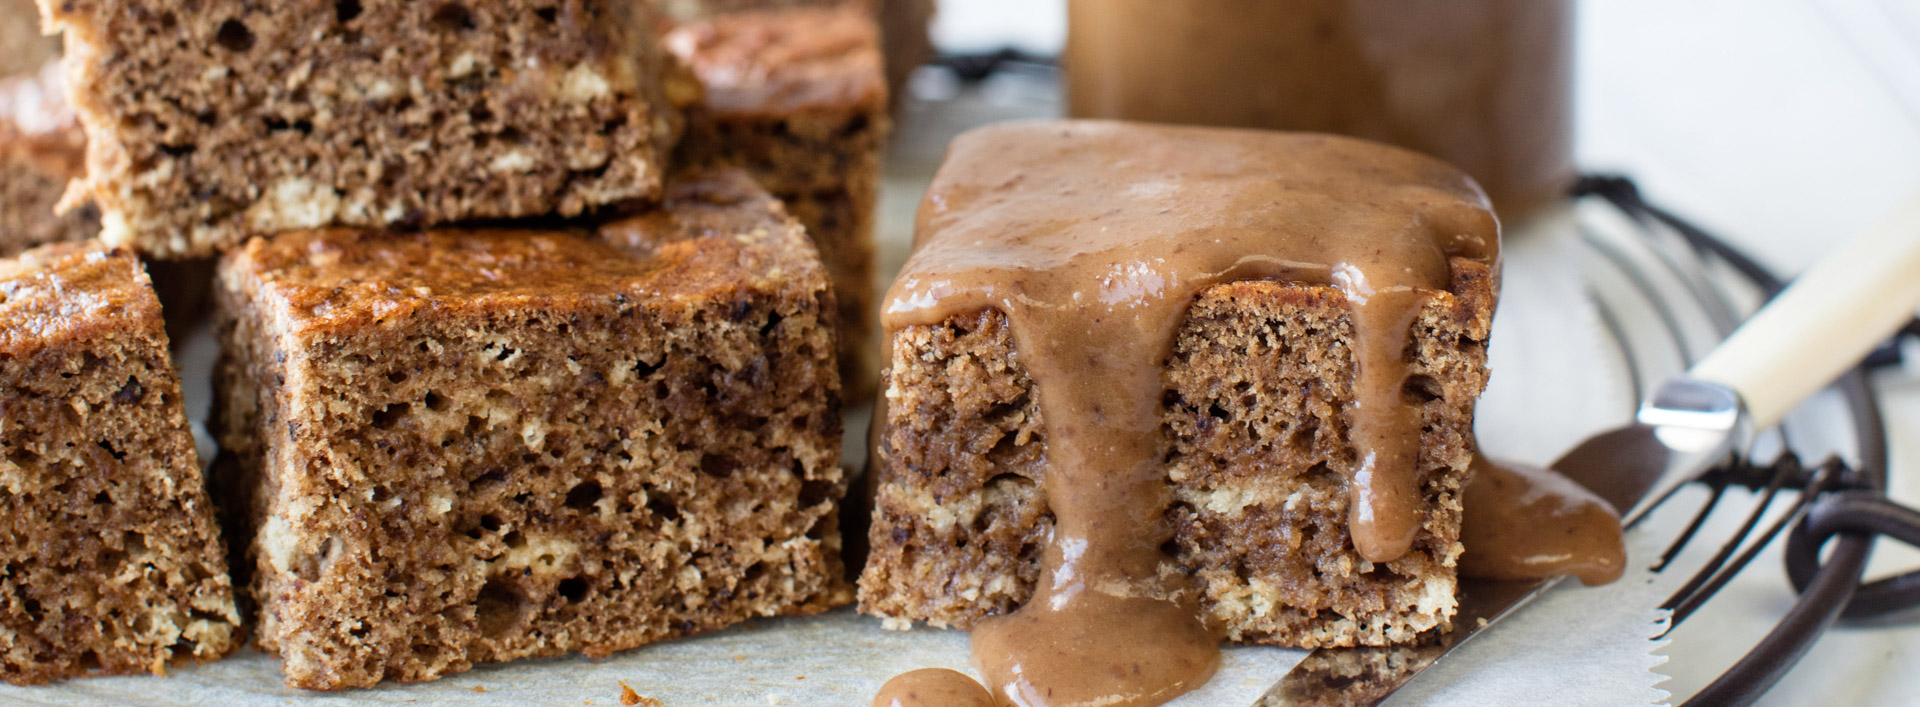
[1093, 238]
[1524, 522]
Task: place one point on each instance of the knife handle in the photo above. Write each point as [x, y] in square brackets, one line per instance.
[1823, 324]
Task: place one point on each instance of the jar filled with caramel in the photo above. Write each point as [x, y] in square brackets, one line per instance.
[1484, 84]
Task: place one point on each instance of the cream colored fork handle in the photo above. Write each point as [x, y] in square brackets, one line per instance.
[1825, 322]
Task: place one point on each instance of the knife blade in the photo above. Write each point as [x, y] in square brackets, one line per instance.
[1367, 675]
[1797, 344]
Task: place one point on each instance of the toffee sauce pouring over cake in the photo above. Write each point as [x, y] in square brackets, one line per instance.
[1093, 242]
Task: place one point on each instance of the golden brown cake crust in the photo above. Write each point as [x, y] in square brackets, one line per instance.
[467, 446]
[211, 121]
[797, 97]
[1256, 407]
[110, 561]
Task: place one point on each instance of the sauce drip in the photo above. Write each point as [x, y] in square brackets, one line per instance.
[1524, 522]
[932, 687]
[1093, 238]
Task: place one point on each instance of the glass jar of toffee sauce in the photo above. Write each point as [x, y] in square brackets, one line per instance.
[1483, 84]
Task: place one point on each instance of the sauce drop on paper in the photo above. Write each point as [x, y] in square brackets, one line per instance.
[932, 687]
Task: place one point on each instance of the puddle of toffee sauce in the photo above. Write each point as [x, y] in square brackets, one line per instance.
[932, 687]
[1524, 522]
[1093, 238]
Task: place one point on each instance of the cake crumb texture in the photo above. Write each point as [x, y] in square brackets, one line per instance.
[463, 446]
[42, 150]
[110, 560]
[1258, 391]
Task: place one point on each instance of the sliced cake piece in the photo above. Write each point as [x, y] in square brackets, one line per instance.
[110, 561]
[456, 447]
[797, 97]
[1259, 396]
[210, 121]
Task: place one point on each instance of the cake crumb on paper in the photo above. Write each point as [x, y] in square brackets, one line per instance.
[630, 698]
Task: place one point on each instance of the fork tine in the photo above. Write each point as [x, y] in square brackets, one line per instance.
[1634, 357]
[1828, 579]
[1719, 490]
[1828, 471]
[1774, 482]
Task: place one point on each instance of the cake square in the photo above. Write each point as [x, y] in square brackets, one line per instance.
[797, 97]
[1257, 395]
[110, 560]
[463, 446]
[211, 121]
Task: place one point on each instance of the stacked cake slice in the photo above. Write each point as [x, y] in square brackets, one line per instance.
[208, 122]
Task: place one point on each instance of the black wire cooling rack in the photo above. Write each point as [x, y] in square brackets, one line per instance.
[1836, 505]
